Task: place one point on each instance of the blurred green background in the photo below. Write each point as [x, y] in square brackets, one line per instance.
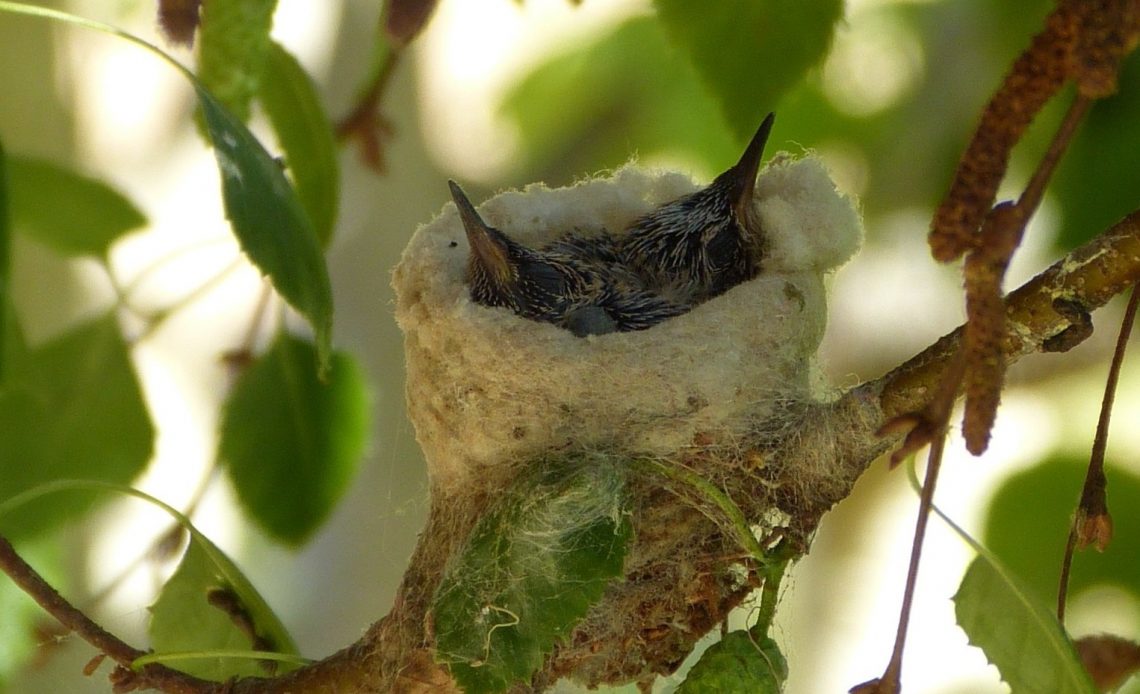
[497, 94]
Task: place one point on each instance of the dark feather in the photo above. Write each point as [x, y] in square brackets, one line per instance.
[703, 244]
[575, 282]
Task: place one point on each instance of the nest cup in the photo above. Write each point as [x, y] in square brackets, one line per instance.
[487, 389]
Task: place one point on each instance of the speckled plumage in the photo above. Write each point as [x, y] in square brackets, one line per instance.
[577, 283]
[703, 244]
[681, 254]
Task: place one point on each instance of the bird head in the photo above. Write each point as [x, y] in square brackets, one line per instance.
[704, 243]
[736, 185]
[490, 266]
[503, 272]
[576, 282]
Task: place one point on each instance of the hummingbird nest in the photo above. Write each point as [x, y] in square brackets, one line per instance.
[487, 389]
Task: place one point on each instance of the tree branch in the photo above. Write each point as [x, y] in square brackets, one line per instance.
[1039, 312]
[73, 619]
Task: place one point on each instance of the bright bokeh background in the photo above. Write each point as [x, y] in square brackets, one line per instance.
[889, 111]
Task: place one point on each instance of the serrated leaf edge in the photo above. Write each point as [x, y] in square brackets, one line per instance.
[1063, 649]
[222, 563]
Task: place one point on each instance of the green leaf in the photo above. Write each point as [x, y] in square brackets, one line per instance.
[12, 347]
[305, 133]
[68, 212]
[584, 108]
[74, 409]
[1029, 544]
[1018, 633]
[531, 569]
[750, 53]
[19, 640]
[738, 663]
[17, 629]
[233, 46]
[204, 565]
[199, 610]
[1095, 180]
[266, 216]
[266, 623]
[290, 442]
[5, 260]
[269, 221]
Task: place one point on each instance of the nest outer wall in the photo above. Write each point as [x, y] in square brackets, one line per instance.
[487, 389]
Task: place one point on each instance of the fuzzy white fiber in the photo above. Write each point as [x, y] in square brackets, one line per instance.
[487, 388]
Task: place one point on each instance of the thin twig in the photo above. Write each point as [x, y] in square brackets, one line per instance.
[249, 342]
[890, 682]
[1092, 523]
[125, 290]
[1088, 276]
[163, 545]
[1035, 189]
[73, 619]
[1095, 479]
[365, 122]
[69, 616]
[240, 357]
[155, 320]
[124, 293]
[1066, 566]
[933, 465]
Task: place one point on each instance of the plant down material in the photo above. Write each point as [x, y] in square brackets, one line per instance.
[486, 388]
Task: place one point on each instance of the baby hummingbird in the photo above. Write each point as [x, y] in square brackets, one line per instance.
[702, 244]
[575, 282]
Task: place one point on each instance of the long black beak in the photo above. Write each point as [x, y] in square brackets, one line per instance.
[741, 178]
[488, 246]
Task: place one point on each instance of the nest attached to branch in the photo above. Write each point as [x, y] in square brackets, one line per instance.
[489, 392]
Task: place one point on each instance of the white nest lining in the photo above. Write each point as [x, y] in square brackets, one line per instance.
[487, 388]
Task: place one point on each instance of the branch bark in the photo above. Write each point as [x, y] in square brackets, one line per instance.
[73, 619]
[1039, 312]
